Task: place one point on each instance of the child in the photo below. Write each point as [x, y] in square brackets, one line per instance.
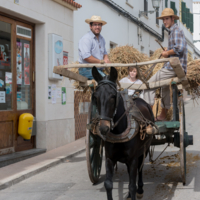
[132, 78]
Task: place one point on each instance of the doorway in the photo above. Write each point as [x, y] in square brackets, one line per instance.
[17, 89]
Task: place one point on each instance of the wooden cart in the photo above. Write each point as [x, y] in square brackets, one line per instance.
[174, 131]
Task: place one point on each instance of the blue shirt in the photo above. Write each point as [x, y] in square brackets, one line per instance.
[89, 45]
[178, 43]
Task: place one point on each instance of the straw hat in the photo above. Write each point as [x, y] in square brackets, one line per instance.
[168, 12]
[95, 19]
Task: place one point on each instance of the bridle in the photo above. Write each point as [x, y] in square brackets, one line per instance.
[118, 96]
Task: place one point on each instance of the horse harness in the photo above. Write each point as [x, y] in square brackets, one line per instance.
[135, 119]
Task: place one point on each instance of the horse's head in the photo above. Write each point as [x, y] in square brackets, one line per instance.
[106, 98]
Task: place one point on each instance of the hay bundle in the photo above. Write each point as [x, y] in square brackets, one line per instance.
[127, 54]
[189, 58]
[155, 56]
[193, 75]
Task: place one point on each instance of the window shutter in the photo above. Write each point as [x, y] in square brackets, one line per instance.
[183, 7]
[187, 17]
[191, 23]
[166, 3]
[173, 7]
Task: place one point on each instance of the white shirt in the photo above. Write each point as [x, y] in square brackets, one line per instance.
[127, 80]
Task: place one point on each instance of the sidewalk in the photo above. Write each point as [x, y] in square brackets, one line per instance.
[14, 173]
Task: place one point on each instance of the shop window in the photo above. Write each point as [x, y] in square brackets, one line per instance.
[6, 69]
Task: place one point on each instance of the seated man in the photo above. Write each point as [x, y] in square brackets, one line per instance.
[177, 47]
[92, 47]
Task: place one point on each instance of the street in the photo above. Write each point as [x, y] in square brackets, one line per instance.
[162, 181]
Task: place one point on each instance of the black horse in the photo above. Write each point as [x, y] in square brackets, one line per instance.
[111, 107]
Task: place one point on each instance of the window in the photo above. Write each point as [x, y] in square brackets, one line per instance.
[146, 6]
[112, 45]
[151, 53]
[157, 15]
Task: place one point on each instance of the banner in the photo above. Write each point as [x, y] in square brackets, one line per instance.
[19, 63]
[26, 64]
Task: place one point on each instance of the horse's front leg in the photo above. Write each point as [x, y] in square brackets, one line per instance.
[109, 174]
[140, 190]
[132, 179]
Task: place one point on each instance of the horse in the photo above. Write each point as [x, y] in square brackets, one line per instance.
[110, 107]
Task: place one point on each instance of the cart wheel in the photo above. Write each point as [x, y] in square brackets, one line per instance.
[182, 139]
[94, 154]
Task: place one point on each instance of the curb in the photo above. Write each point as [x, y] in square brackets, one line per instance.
[24, 176]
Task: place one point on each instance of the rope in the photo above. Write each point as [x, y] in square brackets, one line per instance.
[153, 161]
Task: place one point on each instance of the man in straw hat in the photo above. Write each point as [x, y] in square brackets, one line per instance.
[92, 47]
[177, 47]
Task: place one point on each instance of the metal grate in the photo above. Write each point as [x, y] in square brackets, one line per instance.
[80, 115]
[22, 31]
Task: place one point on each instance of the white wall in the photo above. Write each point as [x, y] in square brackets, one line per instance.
[55, 122]
[119, 29]
[196, 9]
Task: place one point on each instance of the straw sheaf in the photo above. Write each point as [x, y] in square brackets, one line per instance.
[127, 54]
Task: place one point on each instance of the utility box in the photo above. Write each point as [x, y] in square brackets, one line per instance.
[25, 125]
[55, 53]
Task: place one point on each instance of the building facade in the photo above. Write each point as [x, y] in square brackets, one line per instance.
[196, 36]
[125, 26]
[28, 30]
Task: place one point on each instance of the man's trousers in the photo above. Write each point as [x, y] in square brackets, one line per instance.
[149, 95]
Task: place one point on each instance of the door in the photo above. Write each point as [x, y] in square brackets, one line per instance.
[16, 82]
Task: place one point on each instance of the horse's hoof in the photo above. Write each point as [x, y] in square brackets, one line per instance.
[139, 196]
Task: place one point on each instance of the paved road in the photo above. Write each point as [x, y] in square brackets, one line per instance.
[69, 180]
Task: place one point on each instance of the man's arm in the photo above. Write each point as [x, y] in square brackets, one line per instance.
[92, 59]
[179, 45]
[166, 53]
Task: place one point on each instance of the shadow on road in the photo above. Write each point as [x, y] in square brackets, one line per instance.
[161, 179]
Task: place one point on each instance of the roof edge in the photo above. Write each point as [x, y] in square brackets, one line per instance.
[69, 4]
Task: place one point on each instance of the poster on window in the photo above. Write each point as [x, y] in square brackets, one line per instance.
[26, 64]
[19, 63]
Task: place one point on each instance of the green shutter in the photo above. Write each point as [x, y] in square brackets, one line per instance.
[187, 17]
[166, 3]
[191, 23]
[173, 7]
[183, 7]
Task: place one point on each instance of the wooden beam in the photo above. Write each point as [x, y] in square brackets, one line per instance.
[69, 74]
[152, 85]
[176, 65]
[115, 64]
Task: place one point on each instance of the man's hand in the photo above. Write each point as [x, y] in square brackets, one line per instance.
[165, 54]
[106, 59]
